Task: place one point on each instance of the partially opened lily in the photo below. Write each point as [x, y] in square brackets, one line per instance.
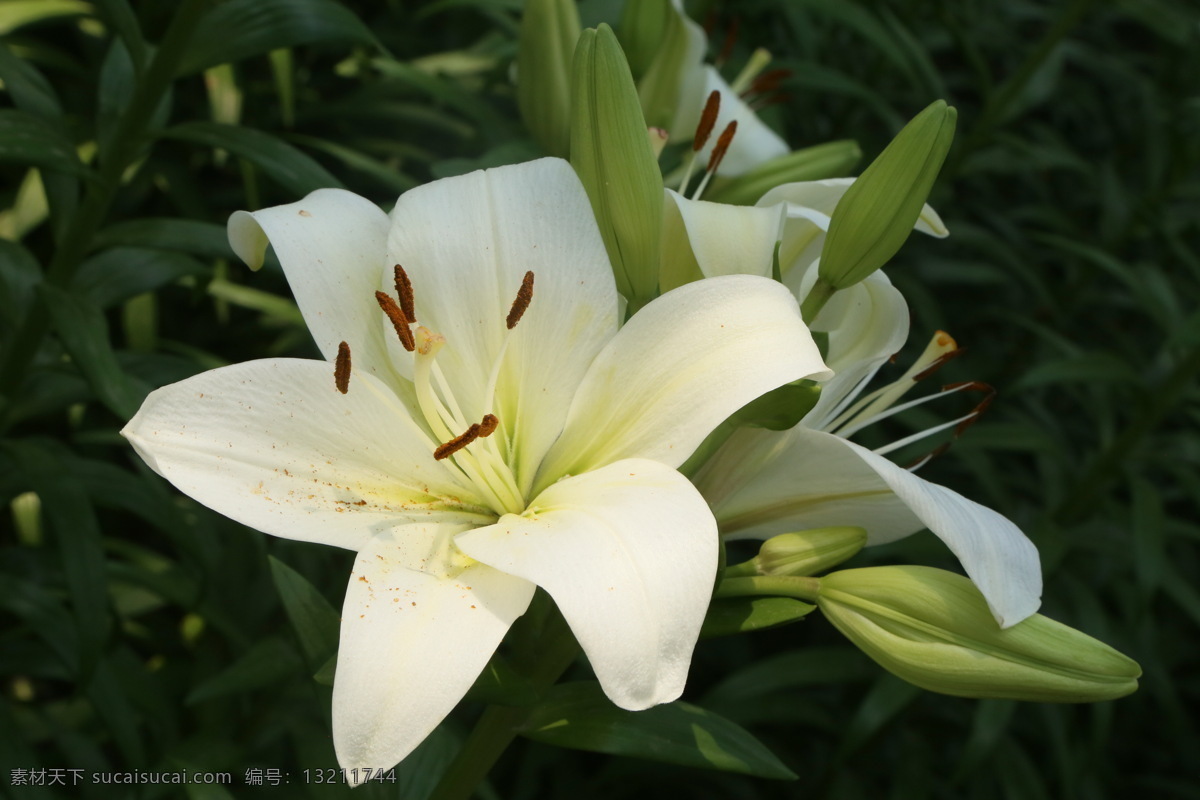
[480, 427]
[762, 483]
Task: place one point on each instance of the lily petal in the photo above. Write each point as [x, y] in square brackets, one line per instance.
[273, 445]
[763, 483]
[724, 239]
[678, 368]
[867, 324]
[466, 244]
[629, 554]
[331, 245]
[417, 629]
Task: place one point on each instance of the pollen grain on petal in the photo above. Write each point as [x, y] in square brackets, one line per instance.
[457, 443]
[400, 322]
[341, 368]
[524, 297]
[404, 291]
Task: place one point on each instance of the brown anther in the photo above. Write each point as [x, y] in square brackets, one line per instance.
[768, 81]
[938, 363]
[404, 292]
[341, 368]
[727, 46]
[777, 99]
[723, 141]
[457, 443]
[524, 297]
[489, 424]
[708, 118]
[399, 321]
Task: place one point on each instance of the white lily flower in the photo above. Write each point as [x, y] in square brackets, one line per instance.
[762, 483]
[753, 144]
[473, 446]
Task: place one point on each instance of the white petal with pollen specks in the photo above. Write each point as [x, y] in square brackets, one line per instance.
[629, 554]
[274, 445]
[762, 483]
[466, 244]
[417, 629]
[332, 246]
[679, 367]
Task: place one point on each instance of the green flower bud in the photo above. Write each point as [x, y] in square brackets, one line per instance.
[878, 212]
[611, 153]
[829, 160]
[933, 629]
[660, 48]
[809, 552]
[641, 30]
[549, 30]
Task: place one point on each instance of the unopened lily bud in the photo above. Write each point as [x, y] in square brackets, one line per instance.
[933, 629]
[877, 213]
[809, 552]
[828, 160]
[664, 47]
[611, 153]
[549, 30]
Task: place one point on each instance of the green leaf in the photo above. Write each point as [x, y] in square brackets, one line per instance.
[731, 615]
[268, 662]
[32, 141]
[205, 239]
[18, 13]
[780, 409]
[243, 28]
[72, 521]
[292, 169]
[119, 16]
[19, 277]
[28, 88]
[579, 716]
[84, 332]
[500, 684]
[315, 621]
[120, 273]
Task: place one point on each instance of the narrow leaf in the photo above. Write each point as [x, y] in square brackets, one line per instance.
[315, 621]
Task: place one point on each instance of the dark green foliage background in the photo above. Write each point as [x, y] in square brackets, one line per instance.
[141, 631]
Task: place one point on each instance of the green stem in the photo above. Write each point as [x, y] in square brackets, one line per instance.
[817, 297]
[498, 725]
[80, 231]
[771, 585]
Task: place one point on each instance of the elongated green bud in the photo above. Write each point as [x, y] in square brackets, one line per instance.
[666, 44]
[549, 30]
[809, 552]
[611, 153]
[640, 31]
[933, 629]
[878, 212]
[829, 160]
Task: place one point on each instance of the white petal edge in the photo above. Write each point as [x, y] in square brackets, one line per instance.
[629, 554]
[466, 244]
[680, 366]
[767, 483]
[416, 633]
[274, 445]
[331, 245]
